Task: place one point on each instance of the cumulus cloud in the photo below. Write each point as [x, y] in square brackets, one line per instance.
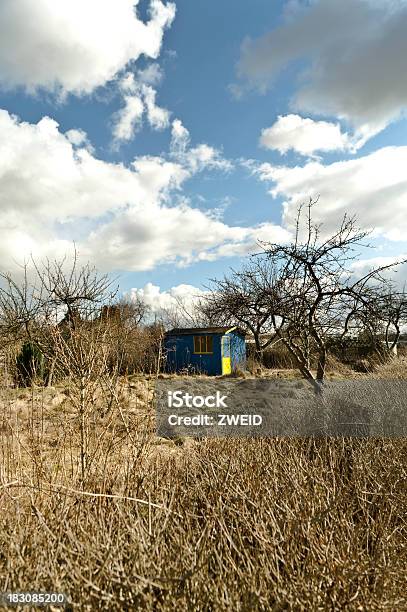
[151, 75]
[196, 158]
[139, 100]
[373, 187]
[305, 136]
[176, 306]
[75, 46]
[158, 300]
[122, 218]
[140, 239]
[180, 137]
[128, 120]
[396, 274]
[355, 59]
[158, 118]
[77, 137]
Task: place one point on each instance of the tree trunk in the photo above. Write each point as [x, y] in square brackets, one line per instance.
[258, 352]
[321, 366]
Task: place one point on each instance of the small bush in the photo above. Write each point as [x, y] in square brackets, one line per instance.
[29, 365]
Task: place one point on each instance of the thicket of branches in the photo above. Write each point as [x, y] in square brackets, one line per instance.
[58, 317]
[307, 295]
[61, 322]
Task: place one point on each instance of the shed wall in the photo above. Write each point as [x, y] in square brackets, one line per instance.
[180, 354]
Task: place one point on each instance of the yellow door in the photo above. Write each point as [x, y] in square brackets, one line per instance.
[226, 359]
[226, 365]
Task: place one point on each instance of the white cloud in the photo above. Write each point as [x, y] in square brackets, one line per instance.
[159, 300]
[196, 158]
[128, 84]
[397, 274]
[158, 118]
[77, 137]
[305, 136]
[373, 187]
[176, 306]
[128, 119]
[75, 46]
[355, 59]
[52, 192]
[180, 137]
[152, 75]
[139, 100]
[139, 238]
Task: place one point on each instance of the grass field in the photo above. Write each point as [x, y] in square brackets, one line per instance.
[215, 524]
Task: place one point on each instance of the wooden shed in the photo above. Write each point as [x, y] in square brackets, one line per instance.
[205, 350]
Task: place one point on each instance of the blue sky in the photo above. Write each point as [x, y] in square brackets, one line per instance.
[163, 138]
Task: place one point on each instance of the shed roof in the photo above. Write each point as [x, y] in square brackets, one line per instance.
[188, 331]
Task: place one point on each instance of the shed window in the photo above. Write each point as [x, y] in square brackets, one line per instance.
[203, 344]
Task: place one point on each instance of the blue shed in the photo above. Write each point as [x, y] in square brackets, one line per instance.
[205, 350]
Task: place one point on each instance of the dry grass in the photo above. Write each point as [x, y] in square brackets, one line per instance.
[394, 369]
[248, 524]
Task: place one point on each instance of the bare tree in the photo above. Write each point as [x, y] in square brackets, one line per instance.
[394, 309]
[183, 312]
[248, 298]
[20, 306]
[129, 313]
[69, 289]
[322, 293]
[384, 318]
[54, 311]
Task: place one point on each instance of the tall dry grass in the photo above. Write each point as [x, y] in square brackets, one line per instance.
[248, 524]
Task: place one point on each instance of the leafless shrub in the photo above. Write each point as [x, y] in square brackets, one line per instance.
[245, 298]
[384, 319]
[251, 524]
[306, 295]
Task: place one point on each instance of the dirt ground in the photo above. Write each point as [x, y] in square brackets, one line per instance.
[98, 507]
